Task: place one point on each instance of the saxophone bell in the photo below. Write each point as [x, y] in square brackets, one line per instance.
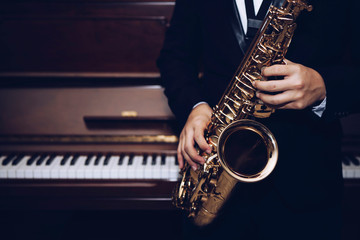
[247, 150]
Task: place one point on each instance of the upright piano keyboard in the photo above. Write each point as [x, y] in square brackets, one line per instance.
[87, 148]
[91, 166]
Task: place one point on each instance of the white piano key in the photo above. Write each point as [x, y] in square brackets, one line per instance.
[148, 169]
[89, 169]
[64, 169]
[133, 169]
[173, 169]
[72, 169]
[114, 169]
[98, 168]
[55, 167]
[139, 168]
[123, 168]
[105, 174]
[165, 168]
[3, 169]
[38, 169]
[12, 173]
[46, 169]
[80, 170]
[29, 169]
[157, 168]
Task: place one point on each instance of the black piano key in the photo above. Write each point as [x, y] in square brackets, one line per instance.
[163, 160]
[107, 159]
[40, 160]
[144, 161]
[131, 160]
[97, 160]
[8, 159]
[353, 159]
[64, 160]
[74, 159]
[50, 159]
[32, 159]
[176, 161]
[88, 159]
[17, 159]
[153, 161]
[121, 160]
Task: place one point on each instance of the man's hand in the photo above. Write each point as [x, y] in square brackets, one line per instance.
[193, 133]
[300, 88]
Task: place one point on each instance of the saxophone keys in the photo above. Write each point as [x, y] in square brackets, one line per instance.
[204, 198]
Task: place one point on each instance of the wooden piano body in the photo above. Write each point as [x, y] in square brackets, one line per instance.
[78, 78]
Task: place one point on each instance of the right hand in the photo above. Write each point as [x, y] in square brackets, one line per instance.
[193, 133]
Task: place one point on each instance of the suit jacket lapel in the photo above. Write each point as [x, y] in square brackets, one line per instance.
[236, 25]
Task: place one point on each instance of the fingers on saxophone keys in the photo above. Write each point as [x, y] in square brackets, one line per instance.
[271, 86]
[200, 140]
[192, 154]
[278, 100]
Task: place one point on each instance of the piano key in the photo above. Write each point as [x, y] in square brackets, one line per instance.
[76, 162]
[99, 163]
[45, 169]
[4, 167]
[20, 168]
[135, 168]
[65, 159]
[20, 162]
[89, 166]
[173, 168]
[81, 168]
[40, 165]
[113, 167]
[31, 165]
[165, 167]
[107, 159]
[8, 159]
[17, 159]
[157, 168]
[33, 159]
[109, 163]
[41, 160]
[122, 167]
[64, 166]
[88, 159]
[148, 168]
[50, 159]
[55, 167]
[97, 160]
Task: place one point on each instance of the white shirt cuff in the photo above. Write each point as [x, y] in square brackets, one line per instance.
[319, 109]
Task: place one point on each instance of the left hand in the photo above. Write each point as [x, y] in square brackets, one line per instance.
[300, 88]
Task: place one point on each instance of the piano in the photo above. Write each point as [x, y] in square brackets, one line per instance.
[87, 141]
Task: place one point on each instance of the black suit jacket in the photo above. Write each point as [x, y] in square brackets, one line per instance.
[206, 36]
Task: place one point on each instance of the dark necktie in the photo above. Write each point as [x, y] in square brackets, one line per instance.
[255, 21]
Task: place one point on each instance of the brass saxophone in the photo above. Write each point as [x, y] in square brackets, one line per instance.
[242, 148]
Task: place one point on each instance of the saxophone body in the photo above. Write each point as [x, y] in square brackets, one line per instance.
[242, 148]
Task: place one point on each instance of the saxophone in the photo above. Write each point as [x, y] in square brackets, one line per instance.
[242, 148]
